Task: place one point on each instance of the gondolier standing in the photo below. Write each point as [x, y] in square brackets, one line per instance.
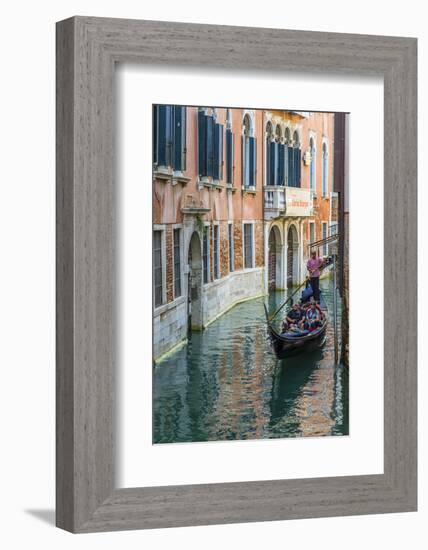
[314, 265]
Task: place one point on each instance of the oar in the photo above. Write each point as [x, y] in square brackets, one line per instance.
[286, 301]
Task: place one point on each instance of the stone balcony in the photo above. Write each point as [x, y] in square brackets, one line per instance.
[287, 202]
[194, 205]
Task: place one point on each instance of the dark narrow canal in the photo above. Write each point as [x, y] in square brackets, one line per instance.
[227, 384]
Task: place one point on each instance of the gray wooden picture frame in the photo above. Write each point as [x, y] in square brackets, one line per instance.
[87, 50]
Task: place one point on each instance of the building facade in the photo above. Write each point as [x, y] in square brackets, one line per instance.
[207, 217]
[238, 195]
[300, 206]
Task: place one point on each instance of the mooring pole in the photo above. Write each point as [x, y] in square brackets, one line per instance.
[336, 347]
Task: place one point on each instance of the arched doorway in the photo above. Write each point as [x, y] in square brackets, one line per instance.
[292, 256]
[194, 285]
[274, 259]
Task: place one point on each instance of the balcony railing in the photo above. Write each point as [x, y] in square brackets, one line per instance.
[274, 198]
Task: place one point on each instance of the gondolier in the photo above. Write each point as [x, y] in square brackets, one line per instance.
[314, 265]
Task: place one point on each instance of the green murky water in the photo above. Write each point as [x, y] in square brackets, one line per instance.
[227, 384]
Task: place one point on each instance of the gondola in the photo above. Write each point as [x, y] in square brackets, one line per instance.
[287, 344]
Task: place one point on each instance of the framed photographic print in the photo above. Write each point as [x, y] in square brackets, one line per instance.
[236, 274]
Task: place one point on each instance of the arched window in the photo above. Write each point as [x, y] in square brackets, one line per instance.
[249, 158]
[269, 155]
[324, 170]
[229, 148]
[281, 156]
[312, 167]
[294, 161]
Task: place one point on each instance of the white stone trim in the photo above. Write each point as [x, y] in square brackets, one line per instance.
[207, 224]
[313, 136]
[180, 227]
[162, 229]
[312, 224]
[216, 223]
[325, 142]
[324, 246]
[253, 240]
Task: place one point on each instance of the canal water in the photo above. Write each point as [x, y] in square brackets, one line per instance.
[227, 384]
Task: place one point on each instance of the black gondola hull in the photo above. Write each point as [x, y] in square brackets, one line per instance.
[287, 347]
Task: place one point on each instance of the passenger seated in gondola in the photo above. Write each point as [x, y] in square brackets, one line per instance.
[294, 317]
[312, 319]
[312, 301]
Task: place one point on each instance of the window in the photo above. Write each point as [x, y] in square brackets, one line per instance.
[268, 154]
[206, 254]
[324, 236]
[231, 248]
[179, 144]
[294, 162]
[248, 245]
[177, 264]
[324, 170]
[210, 146]
[249, 158]
[229, 149]
[169, 136]
[216, 244]
[218, 152]
[311, 232]
[280, 152]
[312, 166]
[158, 267]
[287, 140]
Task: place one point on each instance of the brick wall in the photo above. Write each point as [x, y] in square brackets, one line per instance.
[224, 249]
[259, 243]
[239, 254]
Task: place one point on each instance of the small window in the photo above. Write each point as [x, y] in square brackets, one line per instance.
[324, 236]
[312, 166]
[216, 244]
[206, 255]
[231, 248]
[311, 232]
[177, 264]
[158, 267]
[324, 170]
[249, 154]
[248, 245]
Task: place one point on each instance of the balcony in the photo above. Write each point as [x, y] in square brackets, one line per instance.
[287, 202]
[274, 201]
[194, 206]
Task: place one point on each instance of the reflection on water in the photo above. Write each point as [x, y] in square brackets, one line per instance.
[226, 383]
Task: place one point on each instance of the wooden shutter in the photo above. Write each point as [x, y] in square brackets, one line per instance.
[291, 166]
[210, 145]
[281, 161]
[273, 163]
[178, 138]
[218, 151]
[202, 144]
[286, 165]
[164, 135]
[299, 166]
[252, 161]
[229, 156]
[155, 134]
